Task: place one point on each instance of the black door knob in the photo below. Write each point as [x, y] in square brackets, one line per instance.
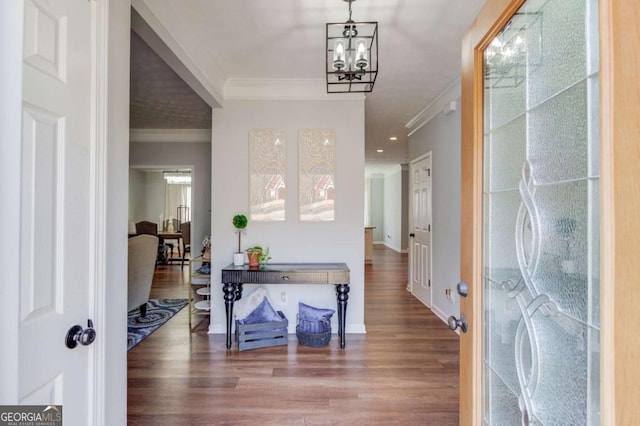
[77, 334]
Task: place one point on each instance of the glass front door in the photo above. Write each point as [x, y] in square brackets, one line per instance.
[541, 326]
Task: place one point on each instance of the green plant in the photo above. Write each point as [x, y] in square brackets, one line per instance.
[263, 255]
[239, 222]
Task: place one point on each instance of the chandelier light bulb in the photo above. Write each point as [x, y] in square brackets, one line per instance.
[362, 58]
[338, 54]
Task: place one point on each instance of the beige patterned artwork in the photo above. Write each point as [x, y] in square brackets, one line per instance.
[316, 174]
[267, 174]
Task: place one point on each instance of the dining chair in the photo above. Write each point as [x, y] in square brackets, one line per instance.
[185, 230]
[151, 228]
[171, 230]
[146, 227]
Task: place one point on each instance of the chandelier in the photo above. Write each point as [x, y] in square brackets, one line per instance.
[177, 177]
[352, 55]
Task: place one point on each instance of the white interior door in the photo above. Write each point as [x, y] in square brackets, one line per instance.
[420, 258]
[56, 242]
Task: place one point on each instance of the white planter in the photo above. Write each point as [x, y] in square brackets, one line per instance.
[238, 259]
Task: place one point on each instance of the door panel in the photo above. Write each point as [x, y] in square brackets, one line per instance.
[55, 184]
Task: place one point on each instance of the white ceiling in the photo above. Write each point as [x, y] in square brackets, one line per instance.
[284, 40]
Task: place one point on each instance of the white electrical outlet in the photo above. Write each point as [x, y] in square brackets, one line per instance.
[283, 298]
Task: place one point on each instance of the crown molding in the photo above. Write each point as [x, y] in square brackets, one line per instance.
[440, 104]
[283, 89]
[170, 135]
[149, 27]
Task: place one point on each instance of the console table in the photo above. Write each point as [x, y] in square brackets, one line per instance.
[233, 277]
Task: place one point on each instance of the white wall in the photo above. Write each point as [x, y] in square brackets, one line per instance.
[392, 208]
[291, 240]
[136, 189]
[178, 154]
[147, 196]
[155, 197]
[441, 136]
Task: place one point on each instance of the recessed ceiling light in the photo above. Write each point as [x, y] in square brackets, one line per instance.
[380, 150]
[393, 138]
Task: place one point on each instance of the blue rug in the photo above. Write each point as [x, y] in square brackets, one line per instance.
[159, 311]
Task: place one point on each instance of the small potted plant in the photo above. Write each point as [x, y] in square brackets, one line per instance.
[253, 253]
[239, 222]
[258, 256]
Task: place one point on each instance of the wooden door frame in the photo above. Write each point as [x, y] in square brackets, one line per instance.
[619, 28]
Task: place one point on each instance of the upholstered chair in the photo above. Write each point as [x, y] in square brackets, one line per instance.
[143, 251]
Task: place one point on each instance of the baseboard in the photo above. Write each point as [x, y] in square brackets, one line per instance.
[217, 329]
[440, 314]
[356, 329]
[396, 249]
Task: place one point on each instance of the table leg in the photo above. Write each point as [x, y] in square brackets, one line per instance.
[342, 292]
[230, 295]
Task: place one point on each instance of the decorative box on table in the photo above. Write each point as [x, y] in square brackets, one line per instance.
[261, 335]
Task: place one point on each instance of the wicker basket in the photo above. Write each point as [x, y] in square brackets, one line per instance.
[314, 340]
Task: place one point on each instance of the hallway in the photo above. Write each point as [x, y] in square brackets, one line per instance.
[404, 371]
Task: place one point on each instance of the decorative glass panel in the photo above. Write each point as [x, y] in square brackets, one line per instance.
[267, 174]
[541, 217]
[316, 179]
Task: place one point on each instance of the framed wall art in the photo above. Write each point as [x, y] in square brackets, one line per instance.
[316, 174]
[267, 175]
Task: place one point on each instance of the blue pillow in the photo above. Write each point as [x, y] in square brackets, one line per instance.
[309, 313]
[264, 312]
[314, 320]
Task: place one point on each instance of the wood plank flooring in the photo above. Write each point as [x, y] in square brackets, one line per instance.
[404, 371]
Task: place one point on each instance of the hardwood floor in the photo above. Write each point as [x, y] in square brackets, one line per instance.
[404, 371]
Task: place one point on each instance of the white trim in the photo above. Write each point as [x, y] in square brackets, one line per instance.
[207, 85]
[11, 35]
[355, 329]
[98, 225]
[217, 328]
[170, 135]
[439, 313]
[394, 248]
[284, 89]
[440, 104]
